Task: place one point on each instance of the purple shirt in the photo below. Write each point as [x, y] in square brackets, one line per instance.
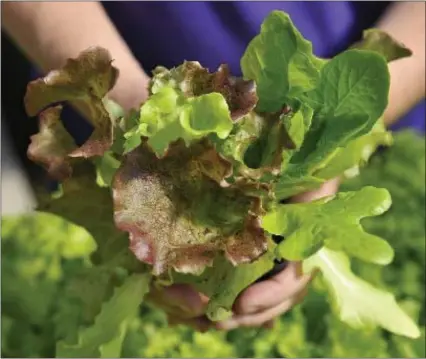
[167, 33]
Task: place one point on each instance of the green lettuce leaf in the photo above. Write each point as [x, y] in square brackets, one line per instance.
[281, 63]
[104, 338]
[192, 80]
[381, 42]
[168, 116]
[357, 302]
[333, 222]
[354, 82]
[350, 97]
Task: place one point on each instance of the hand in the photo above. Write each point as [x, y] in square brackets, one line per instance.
[264, 301]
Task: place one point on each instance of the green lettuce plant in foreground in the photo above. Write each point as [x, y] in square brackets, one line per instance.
[190, 187]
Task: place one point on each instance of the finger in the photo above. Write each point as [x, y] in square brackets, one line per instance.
[262, 318]
[272, 292]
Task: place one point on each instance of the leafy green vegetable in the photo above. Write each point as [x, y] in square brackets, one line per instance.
[333, 223]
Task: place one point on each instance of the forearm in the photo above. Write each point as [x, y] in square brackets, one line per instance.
[405, 21]
[51, 32]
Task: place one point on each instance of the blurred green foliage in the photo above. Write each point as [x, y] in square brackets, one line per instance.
[44, 259]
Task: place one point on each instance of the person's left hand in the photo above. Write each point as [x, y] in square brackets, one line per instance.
[262, 302]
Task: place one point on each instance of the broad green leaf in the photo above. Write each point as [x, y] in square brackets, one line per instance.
[381, 42]
[168, 116]
[350, 98]
[333, 222]
[281, 63]
[96, 339]
[357, 302]
[354, 83]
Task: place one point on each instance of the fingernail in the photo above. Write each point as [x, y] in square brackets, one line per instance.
[228, 324]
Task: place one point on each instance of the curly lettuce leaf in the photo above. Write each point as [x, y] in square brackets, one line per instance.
[381, 42]
[357, 302]
[333, 222]
[168, 116]
[188, 102]
[192, 80]
[84, 81]
[281, 63]
[178, 216]
[105, 337]
[260, 146]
